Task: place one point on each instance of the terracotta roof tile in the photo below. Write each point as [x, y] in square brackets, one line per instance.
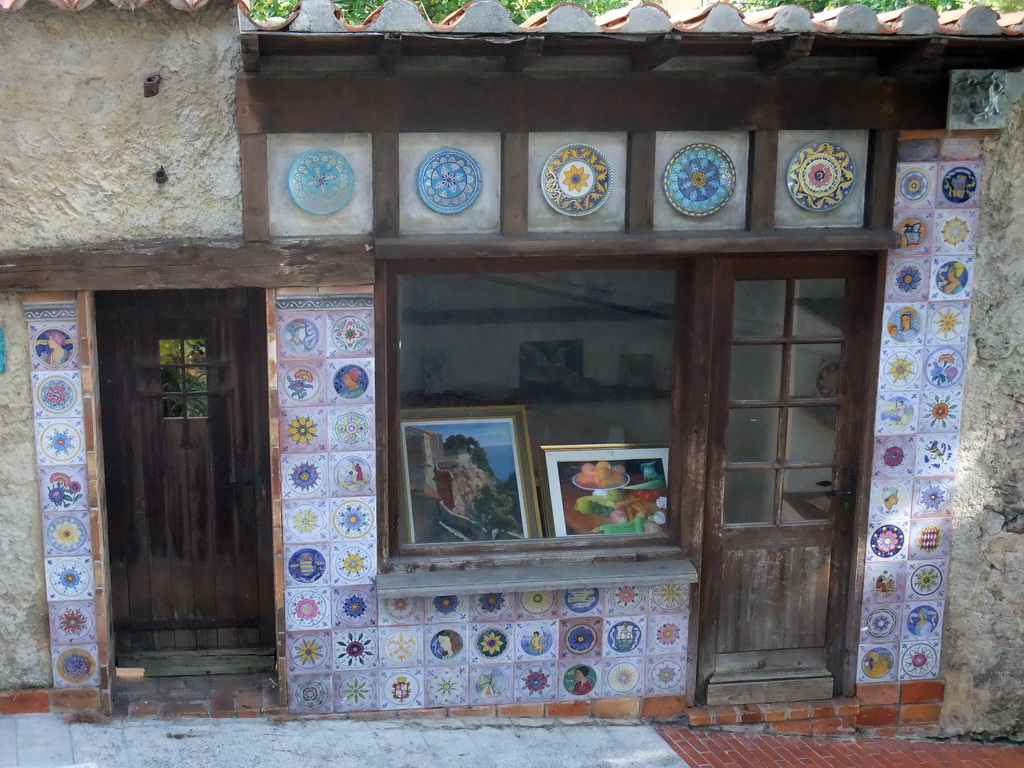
[912, 20]
[716, 18]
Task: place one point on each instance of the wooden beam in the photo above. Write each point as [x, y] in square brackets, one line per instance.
[390, 52]
[385, 183]
[761, 181]
[920, 54]
[522, 53]
[255, 192]
[656, 52]
[640, 183]
[775, 54]
[250, 47]
[881, 188]
[515, 148]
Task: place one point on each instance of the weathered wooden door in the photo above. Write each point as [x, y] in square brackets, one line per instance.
[184, 402]
[788, 415]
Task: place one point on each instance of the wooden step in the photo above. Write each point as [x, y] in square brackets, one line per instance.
[214, 661]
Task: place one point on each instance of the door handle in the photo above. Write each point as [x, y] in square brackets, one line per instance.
[835, 493]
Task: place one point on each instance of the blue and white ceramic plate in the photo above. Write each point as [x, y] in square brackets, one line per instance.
[820, 176]
[449, 181]
[321, 181]
[576, 180]
[699, 179]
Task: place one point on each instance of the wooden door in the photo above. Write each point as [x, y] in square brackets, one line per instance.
[185, 438]
[788, 415]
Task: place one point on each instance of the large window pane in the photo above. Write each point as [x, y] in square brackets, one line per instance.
[749, 496]
[753, 434]
[756, 372]
[819, 308]
[759, 308]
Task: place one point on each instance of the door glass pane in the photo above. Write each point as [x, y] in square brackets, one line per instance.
[173, 407]
[756, 372]
[197, 406]
[170, 351]
[749, 496]
[195, 350]
[759, 308]
[814, 370]
[753, 434]
[812, 434]
[195, 379]
[803, 498]
[819, 308]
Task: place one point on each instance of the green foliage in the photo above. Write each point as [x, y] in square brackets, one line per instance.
[356, 11]
[263, 10]
[494, 510]
[878, 6]
[477, 453]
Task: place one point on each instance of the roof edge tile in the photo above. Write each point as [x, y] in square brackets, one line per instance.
[718, 18]
[976, 20]
[637, 18]
[480, 17]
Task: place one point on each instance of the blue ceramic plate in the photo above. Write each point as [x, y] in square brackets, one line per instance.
[321, 181]
[449, 181]
[699, 179]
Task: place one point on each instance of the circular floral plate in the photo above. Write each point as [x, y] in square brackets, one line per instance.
[820, 176]
[699, 179]
[321, 181]
[576, 180]
[449, 181]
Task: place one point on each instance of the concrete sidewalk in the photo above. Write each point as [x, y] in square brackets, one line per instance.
[48, 741]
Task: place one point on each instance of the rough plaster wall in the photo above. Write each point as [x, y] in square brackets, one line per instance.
[79, 144]
[983, 644]
[24, 629]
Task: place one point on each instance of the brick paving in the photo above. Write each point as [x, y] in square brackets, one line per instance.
[733, 750]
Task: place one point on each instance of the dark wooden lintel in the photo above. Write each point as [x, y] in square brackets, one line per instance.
[656, 52]
[524, 52]
[776, 54]
[921, 54]
[390, 51]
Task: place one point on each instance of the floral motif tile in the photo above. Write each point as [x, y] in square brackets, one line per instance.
[446, 609]
[304, 476]
[72, 623]
[623, 676]
[580, 679]
[944, 368]
[907, 279]
[881, 623]
[930, 538]
[354, 606]
[53, 345]
[890, 500]
[353, 474]
[624, 635]
[57, 394]
[919, 660]
[670, 597]
[896, 413]
[541, 604]
[952, 278]
[490, 606]
[350, 333]
[354, 519]
[307, 565]
[491, 642]
[900, 369]
[923, 621]
[355, 648]
[401, 646]
[887, 541]
[310, 694]
[300, 335]
[308, 651]
[351, 428]
[302, 382]
[66, 533]
[400, 611]
[667, 633]
[350, 381]
[904, 325]
[940, 411]
[75, 665]
[582, 601]
[447, 686]
[307, 609]
[580, 638]
[884, 582]
[933, 496]
[305, 522]
[959, 184]
[446, 644]
[625, 599]
[937, 454]
[491, 684]
[536, 640]
[401, 688]
[60, 441]
[948, 322]
[535, 681]
[956, 233]
[915, 228]
[69, 578]
[353, 562]
[356, 691]
[926, 579]
[877, 662]
[894, 456]
[915, 185]
[63, 488]
[666, 675]
[304, 430]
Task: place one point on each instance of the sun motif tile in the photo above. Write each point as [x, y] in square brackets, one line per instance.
[488, 606]
[907, 279]
[956, 233]
[354, 606]
[940, 411]
[355, 648]
[542, 604]
[582, 601]
[667, 633]
[72, 623]
[300, 336]
[933, 497]
[400, 611]
[948, 323]
[904, 325]
[353, 562]
[354, 519]
[490, 684]
[952, 278]
[937, 454]
[302, 382]
[304, 430]
[626, 635]
[57, 394]
[890, 500]
[351, 428]
[53, 346]
[350, 381]
[60, 441]
[926, 579]
[959, 184]
[580, 638]
[66, 533]
[887, 541]
[491, 642]
[884, 582]
[536, 640]
[446, 644]
[307, 609]
[353, 474]
[623, 677]
[915, 185]
[401, 646]
[670, 597]
[401, 688]
[447, 609]
[356, 691]
[304, 476]
[900, 369]
[625, 599]
[350, 333]
[305, 521]
[916, 230]
[666, 675]
[896, 413]
[922, 621]
[75, 665]
[876, 662]
[310, 694]
[919, 661]
[881, 623]
[930, 538]
[580, 679]
[535, 681]
[69, 578]
[447, 686]
[63, 488]
[894, 456]
[309, 651]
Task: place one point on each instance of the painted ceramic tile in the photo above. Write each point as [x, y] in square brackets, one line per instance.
[919, 661]
[351, 381]
[535, 681]
[301, 383]
[446, 644]
[304, 430]
[69, 578]
[624, 636]
[625, 599]
[66, 533]
[536, 640]
[75, 665]
[959, 185]
[894, 456]
[933, 496]
[355, 648]
[401, 646]
[670, 597]
[57, 394]
[300, 336]
[896, 413]
[923, 621]
[72, 623]
[307, 609]
[306, 565]
[666, 675]
[353, 519]
[877, 663]
[305, 521]
[623, 677]
[60, 441]
[881, 623]
[310, 694]
[354, 606]
[309, 651]
[580, 638]
[491, 684]
[907, 279]
[940, 411]
[53, 345]
[304, 476]
[350, 333]
[667, 633]
[400, 611]
[960, 149]
[948, 323]
[930, 537]
[944, 368]
[582, 601]
[447, 609]
[952, 278]
[353, 474]
[447, 686]
[926, 580]
[353, 562]
[63, 488]
[579, 679]
[916, 230]
[915, 185]
[901, 369]
[937, 454]
[541, 604]
[890, 500]
[887, 542]
[903, 324]
[401, 688]
[956, 233]
[352, 427]
[491, 642]
[489, 606]
[355, 691]
[884, 582]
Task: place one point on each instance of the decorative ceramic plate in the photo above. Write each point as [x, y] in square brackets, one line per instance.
[959, 185]
[449, 181]
[699, 179]
[321, 181]
[820, 176]
[914, 185]
[576, 180]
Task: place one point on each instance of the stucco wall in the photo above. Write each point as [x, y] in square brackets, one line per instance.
[983, 644]
[79, 144]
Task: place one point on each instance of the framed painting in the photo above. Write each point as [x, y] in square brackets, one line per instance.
[468, 475]
[606, 489]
